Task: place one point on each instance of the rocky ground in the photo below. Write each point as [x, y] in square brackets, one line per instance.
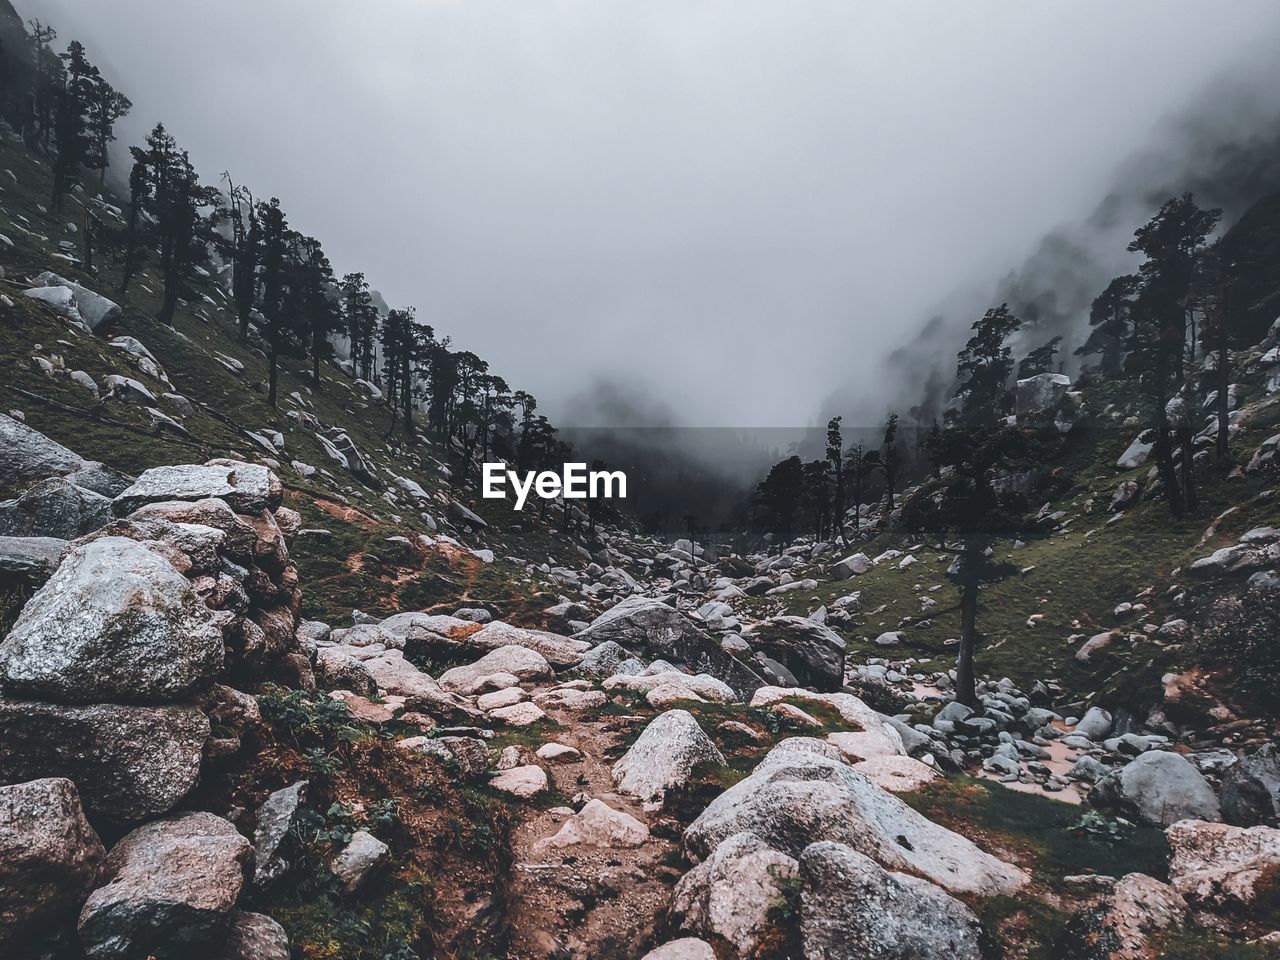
[193, 766]
[273, 685]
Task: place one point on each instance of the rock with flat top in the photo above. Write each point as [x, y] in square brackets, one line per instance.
[115, 623]
[524, 782]
[246, 487]
[128, 762]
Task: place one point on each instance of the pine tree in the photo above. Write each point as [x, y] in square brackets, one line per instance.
[1039, 360]
[890, 459]
[835, 459]
[361, 316]
[964, 502]
[140, 194]
[49, 73]
[1165, 336]
[275, 231]
[176, 197]
[106, 106]
[1111, 336]
[245, 252]
[71, 125]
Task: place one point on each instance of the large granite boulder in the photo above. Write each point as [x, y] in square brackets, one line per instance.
[54, 507]
[246, 487]
[1160, 788]
[172, 885]
[799, 794]
[652, 628]
[811, 652]
[853, 909]
[115, 623]
[1217, 866]
[1250, 791]
[665, 756]
[49, 858]
[27, 454]
[76, 302]
[128, 762]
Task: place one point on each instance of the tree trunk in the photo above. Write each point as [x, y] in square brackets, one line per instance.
[170, 304]
[273, 369]
[1189, 496]
[1224, 379]
[966, 681]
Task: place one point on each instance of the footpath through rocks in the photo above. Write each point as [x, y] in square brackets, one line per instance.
[592, 867]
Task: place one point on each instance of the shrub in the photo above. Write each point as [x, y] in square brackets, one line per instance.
[1243, 634]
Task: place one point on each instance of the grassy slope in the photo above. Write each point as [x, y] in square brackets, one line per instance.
[226, 401]
[1079, 574]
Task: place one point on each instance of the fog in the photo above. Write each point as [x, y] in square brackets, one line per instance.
[730, 211]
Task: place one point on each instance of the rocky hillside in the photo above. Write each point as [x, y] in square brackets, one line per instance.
[274, 687]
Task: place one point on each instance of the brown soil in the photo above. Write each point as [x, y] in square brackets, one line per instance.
[586, 902]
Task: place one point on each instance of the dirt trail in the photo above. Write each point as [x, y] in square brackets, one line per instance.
[586, 902]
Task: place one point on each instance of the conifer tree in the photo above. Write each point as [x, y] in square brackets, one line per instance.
[964, 502]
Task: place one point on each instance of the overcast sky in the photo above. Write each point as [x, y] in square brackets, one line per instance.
[729, 207]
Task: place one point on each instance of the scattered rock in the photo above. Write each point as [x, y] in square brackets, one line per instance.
[523, 782]
[359, 860]
[599, 825]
